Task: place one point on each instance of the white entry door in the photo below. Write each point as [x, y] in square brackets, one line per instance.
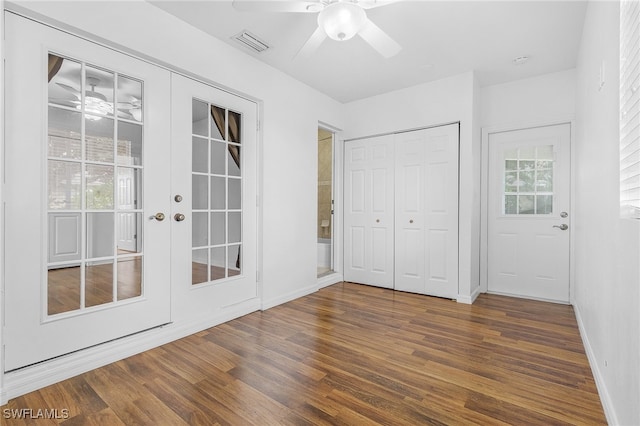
[426, 218]
[81, 120]
[369, 211]
[214, 214]
[528, 206]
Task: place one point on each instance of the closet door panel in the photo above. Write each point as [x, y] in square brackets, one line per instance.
[369, 187]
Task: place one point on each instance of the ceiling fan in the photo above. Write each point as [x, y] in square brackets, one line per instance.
[97, 103]
[337, 19]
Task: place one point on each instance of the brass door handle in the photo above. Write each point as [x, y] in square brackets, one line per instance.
[179, 217]
[158, 216]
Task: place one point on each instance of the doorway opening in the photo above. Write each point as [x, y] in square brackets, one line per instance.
[325, 202]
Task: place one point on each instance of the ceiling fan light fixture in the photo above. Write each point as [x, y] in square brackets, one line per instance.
[342, 20]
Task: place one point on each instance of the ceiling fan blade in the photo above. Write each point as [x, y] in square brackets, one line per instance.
[70, 89]
[370, 4]
[295, 6]
[379, 40]
[311, 44]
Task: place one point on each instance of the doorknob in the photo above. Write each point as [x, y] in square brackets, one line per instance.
[179, 217]
[562, 227]
[158, 216]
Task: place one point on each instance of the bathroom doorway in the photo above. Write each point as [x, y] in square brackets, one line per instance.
[325, 201]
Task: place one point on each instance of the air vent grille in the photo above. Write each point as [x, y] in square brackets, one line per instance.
[251, 41]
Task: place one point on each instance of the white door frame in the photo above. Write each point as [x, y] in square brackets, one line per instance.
[336, 232]
[484, 188]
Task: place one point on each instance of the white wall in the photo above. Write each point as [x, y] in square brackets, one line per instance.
[548, 97]
[291, 111]
[607, 254]
[439, 102]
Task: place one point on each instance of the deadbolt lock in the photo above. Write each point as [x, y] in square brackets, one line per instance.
[178, 198]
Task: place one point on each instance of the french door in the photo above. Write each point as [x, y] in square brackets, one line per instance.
[213, 198]
[87, 244]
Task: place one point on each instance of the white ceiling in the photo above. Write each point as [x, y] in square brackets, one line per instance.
[439, 39]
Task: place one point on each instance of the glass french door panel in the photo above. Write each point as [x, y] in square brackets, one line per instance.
[216, 186]
[94, 149]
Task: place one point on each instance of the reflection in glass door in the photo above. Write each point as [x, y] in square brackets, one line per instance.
[216, 182]
[94, 170]
[325, 202]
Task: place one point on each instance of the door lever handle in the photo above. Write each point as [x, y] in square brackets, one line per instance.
[562, 227]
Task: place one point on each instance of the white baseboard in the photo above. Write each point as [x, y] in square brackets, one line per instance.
[268, 304]
[46, 373]
[328, 280]
[605, 398]
[468, 300]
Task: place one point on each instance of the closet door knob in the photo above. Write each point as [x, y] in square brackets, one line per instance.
[411, 221]
[377, 220]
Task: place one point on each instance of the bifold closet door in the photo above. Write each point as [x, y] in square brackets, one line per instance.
[426, 211]
[369, 209]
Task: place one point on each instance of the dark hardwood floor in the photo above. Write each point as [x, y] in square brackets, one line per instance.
[348, 354]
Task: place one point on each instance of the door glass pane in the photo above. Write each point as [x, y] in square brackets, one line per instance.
[233, 154]
[218, 261]
[99, 138]
[129, 144]
[129, 277]
[64, 185]
[235, 193]
[99, 92]
[63, 283]
[217, 122]
[129, 98]
[233, 265]
[64, 77]
[99, 181]
[129, 226]
[200, 118]
[214, 160]
[217, 157]
[99, 235]
[98, 283]
[218, 228]
[218, 196]
[199, 192]
[200, 155]
[65, 133]
[234, 126]
[235, 227]
[91, 202]
[129, 188]
[199, 262]
[199, 229]
[528, 180]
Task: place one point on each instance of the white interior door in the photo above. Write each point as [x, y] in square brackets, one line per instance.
[214, 214]
[426, 218]
[528, 221]
[368, 218]
[80, 119]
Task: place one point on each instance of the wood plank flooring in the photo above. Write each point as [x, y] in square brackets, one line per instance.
[348, 354]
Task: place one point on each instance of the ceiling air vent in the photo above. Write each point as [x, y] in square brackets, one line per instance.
[251, 41]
